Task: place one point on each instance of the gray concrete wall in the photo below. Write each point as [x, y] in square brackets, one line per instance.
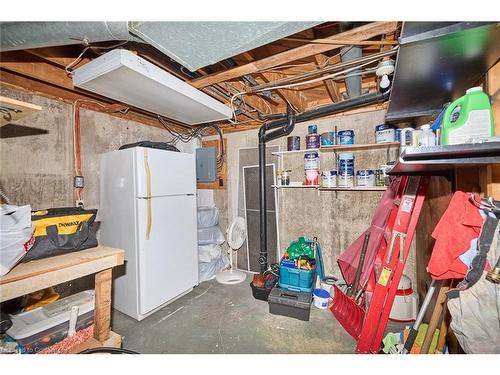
[38, 169]
[336, 218]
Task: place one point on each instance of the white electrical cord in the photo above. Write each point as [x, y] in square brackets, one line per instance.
[75, 61]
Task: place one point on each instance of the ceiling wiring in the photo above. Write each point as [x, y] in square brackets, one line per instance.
[69, 68]
[196, 133]
[315, 65]
[318, 79]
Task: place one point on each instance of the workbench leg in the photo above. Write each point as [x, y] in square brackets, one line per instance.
[102, 312]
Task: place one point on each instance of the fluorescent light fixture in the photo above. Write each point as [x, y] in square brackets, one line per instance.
[128, 78]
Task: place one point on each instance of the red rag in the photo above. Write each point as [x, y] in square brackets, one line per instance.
[460, 224]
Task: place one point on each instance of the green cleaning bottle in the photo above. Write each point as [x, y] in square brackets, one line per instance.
[468, 119]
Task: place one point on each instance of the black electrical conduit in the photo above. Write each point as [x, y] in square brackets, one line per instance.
[284, 126]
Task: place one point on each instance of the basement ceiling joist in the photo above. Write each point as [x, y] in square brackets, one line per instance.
[297, 55]
[361, 33]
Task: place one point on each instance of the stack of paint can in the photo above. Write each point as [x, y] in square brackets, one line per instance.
[312, 138]
[311, 168]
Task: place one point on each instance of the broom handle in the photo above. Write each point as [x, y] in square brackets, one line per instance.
[414, 329]
[359, 270]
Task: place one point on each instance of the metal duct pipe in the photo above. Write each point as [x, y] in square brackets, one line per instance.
[28, 35]
[349, 53]
[353, 79]
[283, 127]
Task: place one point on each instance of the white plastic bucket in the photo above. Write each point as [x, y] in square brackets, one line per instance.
[321, 298]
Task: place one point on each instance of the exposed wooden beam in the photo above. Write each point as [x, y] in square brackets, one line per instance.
[296, 98]
[344, 41]
[361, 33]
[330, 85]
[48, 54]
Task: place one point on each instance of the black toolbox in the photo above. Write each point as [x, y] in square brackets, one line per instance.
[289, 303]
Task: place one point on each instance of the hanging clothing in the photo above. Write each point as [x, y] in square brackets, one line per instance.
[454, 234]
[475, 305]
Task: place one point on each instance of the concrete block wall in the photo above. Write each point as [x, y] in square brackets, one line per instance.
[38, 169]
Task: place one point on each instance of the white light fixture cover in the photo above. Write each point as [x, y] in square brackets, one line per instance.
[128, 78]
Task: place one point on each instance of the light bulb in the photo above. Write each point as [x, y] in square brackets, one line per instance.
[384, 82]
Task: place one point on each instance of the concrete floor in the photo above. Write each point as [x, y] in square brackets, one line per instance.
[217, 318]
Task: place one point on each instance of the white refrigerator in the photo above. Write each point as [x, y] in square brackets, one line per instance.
[148, 208]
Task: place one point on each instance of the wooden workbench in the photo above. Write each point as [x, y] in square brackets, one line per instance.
[39, 274]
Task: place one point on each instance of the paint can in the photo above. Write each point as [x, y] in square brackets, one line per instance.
[380, 177]
[384, 134]
[293, 143]
[406, 136]
[311, 160]
[345, 137]
[345, 177]
[312, 141]
[321, 298]
[329, 179]
[312, 129]
[312, 176]
[365, 177]
[328, 139]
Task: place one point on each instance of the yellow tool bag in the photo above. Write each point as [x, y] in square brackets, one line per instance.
[61, 230]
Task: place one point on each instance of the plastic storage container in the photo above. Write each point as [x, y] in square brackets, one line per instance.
[468, 119]
[289, 303]
[298, 280]
[39, 328]
[261, 294]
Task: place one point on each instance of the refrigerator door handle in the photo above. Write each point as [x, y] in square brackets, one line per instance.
[148, 190]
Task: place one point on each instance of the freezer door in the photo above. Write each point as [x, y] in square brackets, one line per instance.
[168, 260]
[165, 172]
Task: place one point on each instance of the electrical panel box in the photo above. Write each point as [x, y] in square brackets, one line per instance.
[206, 164]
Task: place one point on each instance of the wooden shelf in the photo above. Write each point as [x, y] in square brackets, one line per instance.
[38, 274]
[355, 147]
[15, 110]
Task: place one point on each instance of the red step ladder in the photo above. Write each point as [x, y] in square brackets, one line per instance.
[368, 326]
